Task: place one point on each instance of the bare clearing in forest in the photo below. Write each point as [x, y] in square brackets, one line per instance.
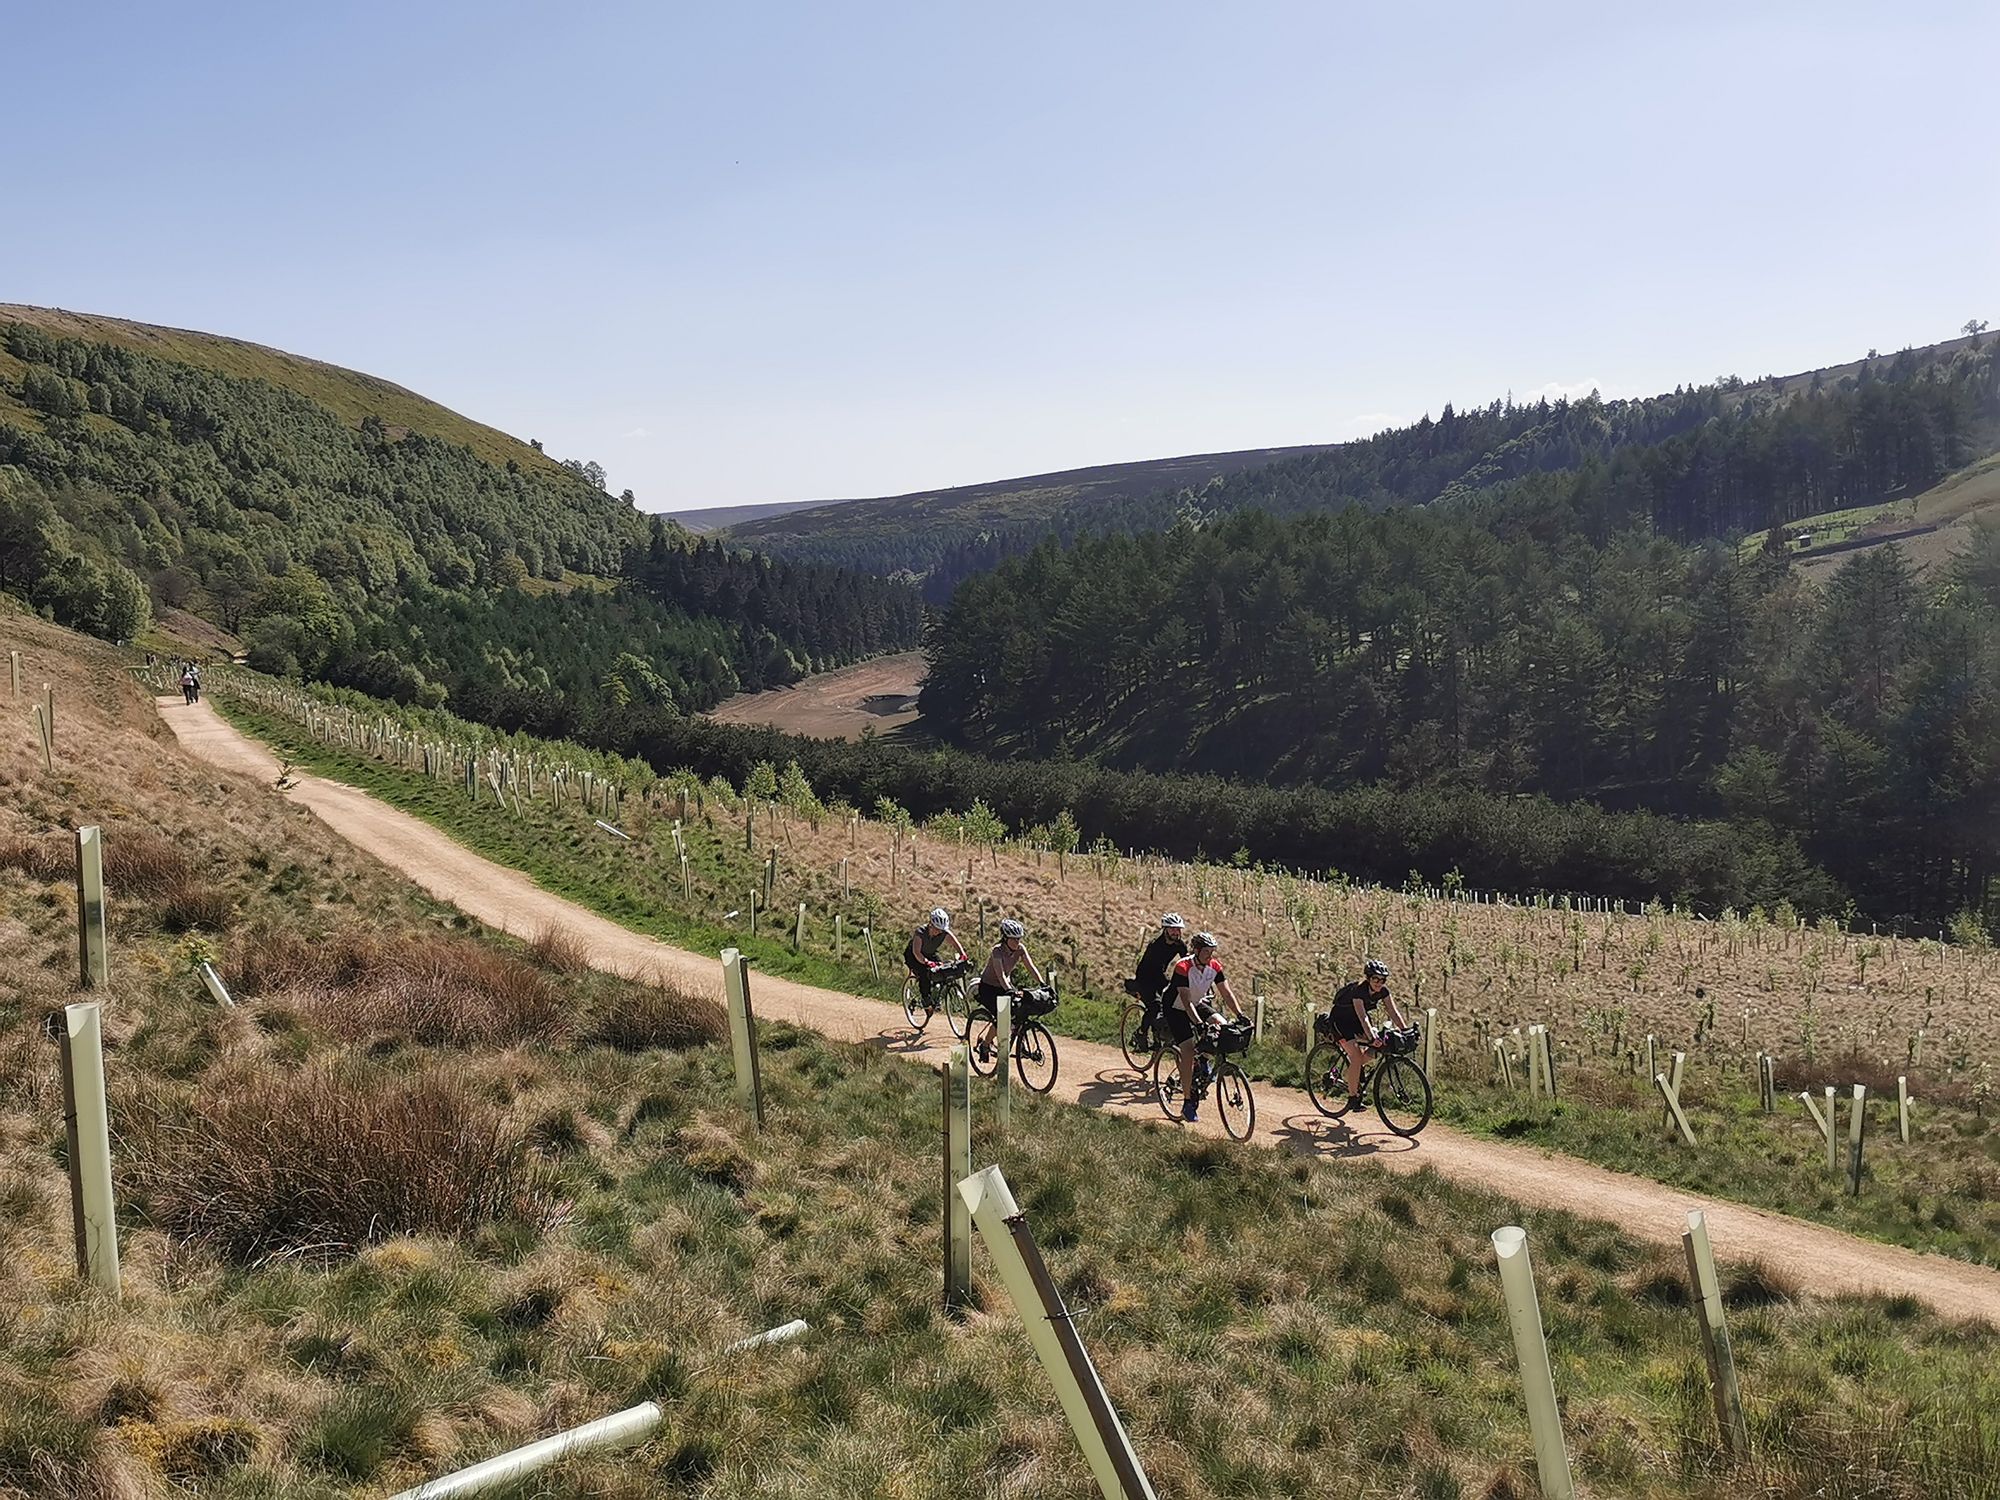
[836, 705]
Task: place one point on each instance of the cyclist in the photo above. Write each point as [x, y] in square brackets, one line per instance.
[1150, 976]
[1352, 1023]
[1194, 979]
[997, 979]
[920, 955]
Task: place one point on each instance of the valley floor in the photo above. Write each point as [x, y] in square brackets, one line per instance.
[1096, 1076]
[836, 705]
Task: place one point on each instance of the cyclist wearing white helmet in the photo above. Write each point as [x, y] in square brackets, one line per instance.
[1352, 1023]
[1149, 977]
[1194, 979]
[997, 979]
[920, 954]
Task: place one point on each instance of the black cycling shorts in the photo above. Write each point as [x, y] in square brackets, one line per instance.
[1180, 1025]
[1348, 1025]
[986, 1004]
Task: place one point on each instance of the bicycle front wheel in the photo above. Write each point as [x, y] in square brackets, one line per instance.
[1035, 1057]
[1402, 1095]
[1326, 1078]
[1167, 1082]
[915, 1011]
[1234, 1101]
[985, 1066]
[955, 1008]
[1139, 1059]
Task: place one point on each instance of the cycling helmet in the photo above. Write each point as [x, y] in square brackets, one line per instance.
[1009, 928]
[1173, 919]
[1375, 969]
[940, 919]
[1205, 940]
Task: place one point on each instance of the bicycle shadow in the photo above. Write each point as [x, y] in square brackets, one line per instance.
[1109, 1088]
[1335, 1140]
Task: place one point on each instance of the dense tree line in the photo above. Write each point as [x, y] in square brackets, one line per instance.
[385, 559]
[1505, 650]
[1374, 833]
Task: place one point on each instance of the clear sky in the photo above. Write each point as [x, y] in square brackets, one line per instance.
[788, 251]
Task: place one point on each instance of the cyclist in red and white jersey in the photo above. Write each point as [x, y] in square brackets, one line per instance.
[1195, 979]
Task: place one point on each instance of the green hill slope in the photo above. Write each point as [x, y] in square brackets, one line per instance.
[1734, 455]
[349, 394]
[350, 530]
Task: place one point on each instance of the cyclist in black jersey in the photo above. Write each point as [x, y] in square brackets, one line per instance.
[920, 954]
[1150, 977]
[1352, 1022]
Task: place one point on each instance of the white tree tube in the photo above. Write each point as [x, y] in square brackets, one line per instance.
[1524, 1316]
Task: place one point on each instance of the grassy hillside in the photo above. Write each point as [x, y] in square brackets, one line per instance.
[1265, 1324]
[827, 529]
[349, 393]
[1460, 456]
[1832, 1006]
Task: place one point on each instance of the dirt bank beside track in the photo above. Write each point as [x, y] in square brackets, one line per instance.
[1822, 1260]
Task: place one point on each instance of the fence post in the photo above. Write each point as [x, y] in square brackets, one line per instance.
[93, 956]
[1524, 1316]
[1257, 1032]
[839, 936]
[14, 659]
[1729, 1420]
[1003, 1042]
[873, 967]
[1857, 1128]
[88, 1125]
[1832, 1136]
[1052, 1331]
[1671, 1101]
[743, 1034]
[799, 931]
[957, 1076]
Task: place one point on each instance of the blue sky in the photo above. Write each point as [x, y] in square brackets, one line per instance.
[773, 252]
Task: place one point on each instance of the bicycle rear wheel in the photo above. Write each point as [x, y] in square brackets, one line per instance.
[1402, 1095]
[915, 1009]
[1035, 1057]
[1167, 1082]
[1140, 1060]
[955, 1007]
[1234, 1101]
[1326, 1078]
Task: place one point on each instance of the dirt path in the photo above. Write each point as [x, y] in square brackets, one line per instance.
[1821, 1259]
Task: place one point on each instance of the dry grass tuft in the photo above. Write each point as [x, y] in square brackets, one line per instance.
[433, 990]
[664, 1014]
[192, 905]
[139, 862]
[46, 859]
[560, 951]
[322, 1163]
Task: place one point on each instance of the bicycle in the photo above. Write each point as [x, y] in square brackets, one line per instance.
[1215, 1073]
[947, 993]
[1034, 1044]
[1140, 1060]
[1401, 1092]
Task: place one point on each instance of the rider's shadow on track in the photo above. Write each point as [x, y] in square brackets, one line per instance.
[907, 1043]
[1315, 1135]
[1115, 1087]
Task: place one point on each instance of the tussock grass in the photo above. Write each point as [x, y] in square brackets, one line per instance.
[430, 989]
[661, 1014]
[321, 1163]
[560, 951]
